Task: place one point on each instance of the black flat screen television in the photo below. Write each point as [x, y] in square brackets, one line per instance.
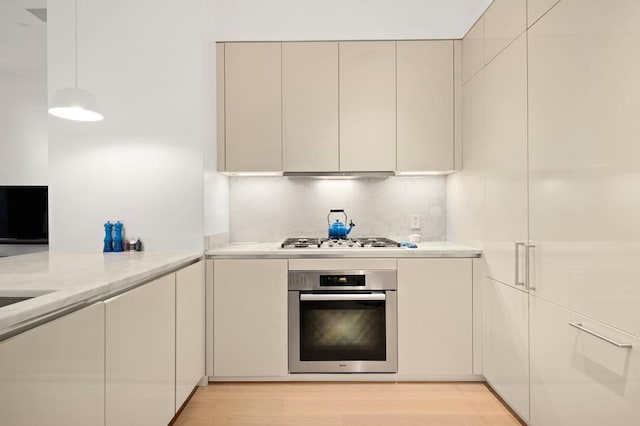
[24, 217]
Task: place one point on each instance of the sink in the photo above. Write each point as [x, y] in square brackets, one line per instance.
[5, 301]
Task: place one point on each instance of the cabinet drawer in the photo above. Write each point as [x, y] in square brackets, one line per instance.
[577, 378]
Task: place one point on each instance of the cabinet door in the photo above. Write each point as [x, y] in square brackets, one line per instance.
[250, 318]
[253, 108]
[425, 105]
[140, 355]
[368, 106]
[220, 107]
[503, 22]
[505, 344]
[465, 189]
[190, 334]
[584, 98]
[577, 378]
[435, 317]
[54, 374]
[310, 106]
[506, 162]
[473, 50]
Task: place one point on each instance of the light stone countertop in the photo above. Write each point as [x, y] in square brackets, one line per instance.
[273, 250]
[66, 280]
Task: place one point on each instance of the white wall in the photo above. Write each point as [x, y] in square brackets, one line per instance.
[23, 128]
[260, 20]
[272, 209]
[216, 186]
[23, 94]
[149, 64]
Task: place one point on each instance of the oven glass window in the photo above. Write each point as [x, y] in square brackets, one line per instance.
[345, 330]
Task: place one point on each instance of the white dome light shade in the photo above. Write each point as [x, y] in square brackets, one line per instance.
[76, 104]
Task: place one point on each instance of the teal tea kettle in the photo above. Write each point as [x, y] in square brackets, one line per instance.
[337, 229]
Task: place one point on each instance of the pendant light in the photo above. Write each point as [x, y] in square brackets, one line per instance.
[73, 103]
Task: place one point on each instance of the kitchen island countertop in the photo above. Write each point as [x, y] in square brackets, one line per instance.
[272, 250]
[61, 281]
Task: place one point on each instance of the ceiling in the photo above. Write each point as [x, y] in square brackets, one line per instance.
[275, 20]
[23, 37]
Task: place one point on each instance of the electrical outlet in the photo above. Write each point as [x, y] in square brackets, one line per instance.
[415, 221]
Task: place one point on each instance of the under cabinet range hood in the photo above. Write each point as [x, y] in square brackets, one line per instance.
[340, 175]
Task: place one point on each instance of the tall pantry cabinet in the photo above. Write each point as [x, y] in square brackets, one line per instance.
[549, 117]
[584, 98]
[495, 124]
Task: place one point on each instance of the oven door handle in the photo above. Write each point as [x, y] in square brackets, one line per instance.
[305, 297]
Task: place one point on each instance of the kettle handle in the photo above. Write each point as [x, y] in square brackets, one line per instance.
[336, 211]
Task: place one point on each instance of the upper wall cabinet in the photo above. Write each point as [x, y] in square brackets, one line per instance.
[503, 22]
[310, 106]
[537, 8]
[425, 100]
[253, 107]
[338, 106]
[473, 50]
[368, 106]
[220, 107]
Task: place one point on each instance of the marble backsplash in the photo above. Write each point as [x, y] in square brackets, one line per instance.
[274, 208]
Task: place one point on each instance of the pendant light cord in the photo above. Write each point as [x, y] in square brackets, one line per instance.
[76, 36]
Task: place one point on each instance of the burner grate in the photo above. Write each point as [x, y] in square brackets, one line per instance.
[364, 242]
[301, 243]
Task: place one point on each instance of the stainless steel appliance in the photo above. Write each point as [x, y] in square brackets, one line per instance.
[343, 321]
[364, 242]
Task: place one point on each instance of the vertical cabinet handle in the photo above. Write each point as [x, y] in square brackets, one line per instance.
[527, 265]
[518, 245]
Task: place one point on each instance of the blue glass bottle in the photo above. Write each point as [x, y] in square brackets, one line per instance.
[108, 237]
[117, 239]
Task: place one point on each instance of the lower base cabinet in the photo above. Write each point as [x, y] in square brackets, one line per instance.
[54, 374]
[250, 317]
[435, 324]
[140, 355]
[190, 333]
[505, 343]
[578, 378]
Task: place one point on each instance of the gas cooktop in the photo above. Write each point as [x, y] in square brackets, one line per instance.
[365, 242]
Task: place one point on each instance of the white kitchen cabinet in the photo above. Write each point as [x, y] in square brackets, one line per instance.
[190, 330]
[584, 98]
[577, 378]
[253, 107]
[505, 344]
[435, 325]
[250, 318]
[505, 127]
[425, 135]
[473, 55]
[54, 374]
[220, 107]
[537, 8]
[367, 75]
[140, 354]
[465, 189]
[310, 106]
[504, 21]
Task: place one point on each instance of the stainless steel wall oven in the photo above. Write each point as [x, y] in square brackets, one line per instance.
[343, 321]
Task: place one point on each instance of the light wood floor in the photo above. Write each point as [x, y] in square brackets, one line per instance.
[353, 404]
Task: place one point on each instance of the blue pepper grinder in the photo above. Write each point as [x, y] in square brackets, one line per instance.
[108, 237]
[117, 239]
